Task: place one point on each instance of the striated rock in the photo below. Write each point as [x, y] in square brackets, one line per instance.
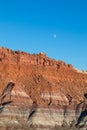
[47, 92]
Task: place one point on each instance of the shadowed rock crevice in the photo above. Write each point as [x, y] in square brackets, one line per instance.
[7, 91]
[82, 119]
[32, 111]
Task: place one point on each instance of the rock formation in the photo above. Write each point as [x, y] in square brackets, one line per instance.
[47, 92]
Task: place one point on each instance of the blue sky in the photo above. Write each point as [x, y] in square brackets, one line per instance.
[56, 27]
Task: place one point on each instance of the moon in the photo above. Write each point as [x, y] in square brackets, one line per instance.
[54, 35]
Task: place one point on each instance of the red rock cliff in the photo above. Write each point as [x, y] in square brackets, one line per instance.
[42, 74]
[40, 79]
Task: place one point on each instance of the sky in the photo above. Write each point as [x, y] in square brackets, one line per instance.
[55, 27]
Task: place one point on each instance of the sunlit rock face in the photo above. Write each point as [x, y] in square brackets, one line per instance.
[47, 93]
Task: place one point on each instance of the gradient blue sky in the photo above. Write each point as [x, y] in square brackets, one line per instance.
[30, 25]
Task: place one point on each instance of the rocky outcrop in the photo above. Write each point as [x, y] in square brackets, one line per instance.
[47, 92]
[26, 58]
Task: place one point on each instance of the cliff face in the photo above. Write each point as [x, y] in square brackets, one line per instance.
[52, 88]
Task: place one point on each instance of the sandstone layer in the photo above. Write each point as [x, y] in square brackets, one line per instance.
[47, 92]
